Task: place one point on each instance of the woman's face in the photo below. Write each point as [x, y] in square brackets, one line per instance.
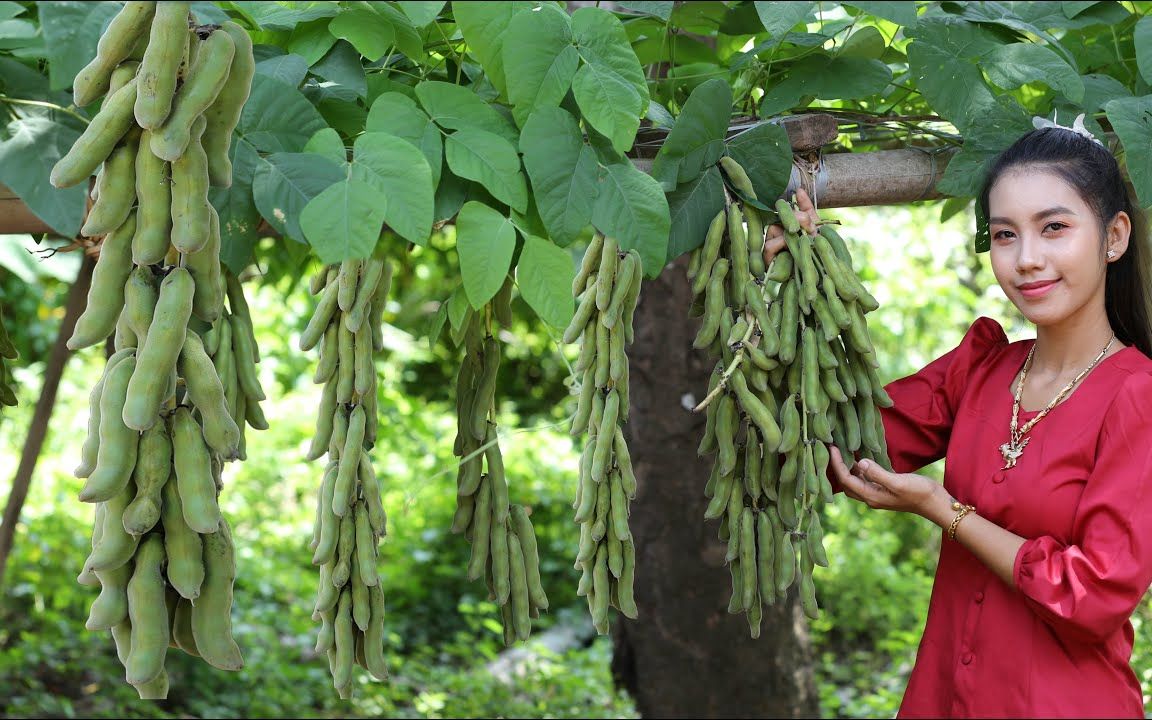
[1047, 251]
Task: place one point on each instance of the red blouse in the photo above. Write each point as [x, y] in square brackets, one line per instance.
[1058, 644]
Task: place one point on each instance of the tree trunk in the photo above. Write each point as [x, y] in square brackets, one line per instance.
[38, 428]
[686, 656]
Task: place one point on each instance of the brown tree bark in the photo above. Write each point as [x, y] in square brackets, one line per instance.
[686, 656]
[38, 428]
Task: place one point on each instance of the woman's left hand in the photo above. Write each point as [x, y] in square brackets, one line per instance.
[879, 489]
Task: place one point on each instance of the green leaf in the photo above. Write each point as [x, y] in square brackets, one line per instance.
[436, 326]
[966, 169]
[342, 66]
[867, 43]
[421, 12]
[697, 139]
[692, 207]
[71, 31]
[900, 12]
[780, 17]
[1142, 37]
[9, 10]
[489, 160]
[208, 13]
[289, 69]
[1010, 66]
[455, 107]
[766, 155]
[485, 240]
[403, 181]
[370, 33]
[943, 60]
[601, 40]
[239, 217]
[563, 170]
[544, 275]
[539, 46]
[408, 40]
[287, 15]
[328, 144]
[483, 25]
[1072, 9]
[286, 182]
[311, 40]
[609, 103]
[825, 78]
[277, 117]
[1131, 118]
[398, 114]
[662, 10]
[343, 222]
[458, 308]
[451, 194]
[27, 155]
[631, 207]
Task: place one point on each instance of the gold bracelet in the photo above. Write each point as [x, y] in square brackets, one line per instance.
[963, 510]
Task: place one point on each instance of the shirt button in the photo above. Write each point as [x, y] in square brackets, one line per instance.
[979, 597]
[966, 658]
[998, 477]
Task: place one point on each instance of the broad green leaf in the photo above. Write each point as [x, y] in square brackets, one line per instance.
[1131, 118]
[544, 275]
[483, 25]
[451, 194]
[1072, 9]
[311, 40]
[966, 169]
[563, 171]
[1142, 37]
[403, 180]
[286, 182]
[239, 218]
[631, 207]
[286, 15]
[1010, 66]
[942, 60]
[71, 31]
[489, 160]
[397, 114]
[408, 40]
[824, 77]
[458, 308]
[422, 12]
[485, 240]
[369, 32]
[9, 10]
[697, 139]
[692, 207]
[289, 69]
[346, 116]
[900, 12]
[32, 147]
[653, 44]
[344, 221]
[277, 117]
[342, 66]
[609, 103]
[1025, 18]
[601, 39]
[780, 17]
[867, 43]
[539, 46]
[662, 10]
[18, 33]
[766, 155]
[327, 143]
[436, 326]
[209, 13]
[454, 107]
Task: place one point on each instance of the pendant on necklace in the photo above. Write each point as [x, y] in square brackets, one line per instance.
[1011, 451]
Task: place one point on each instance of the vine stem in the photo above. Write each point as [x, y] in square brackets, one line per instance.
[42, 103]
[728, 372]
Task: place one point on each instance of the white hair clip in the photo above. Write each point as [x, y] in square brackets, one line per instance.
[1077, 126]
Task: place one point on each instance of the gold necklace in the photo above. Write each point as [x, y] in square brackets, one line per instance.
[1014, 448]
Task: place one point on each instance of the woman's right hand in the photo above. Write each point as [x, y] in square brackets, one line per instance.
[809, 221]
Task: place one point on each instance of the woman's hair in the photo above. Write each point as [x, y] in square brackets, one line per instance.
[1091, 170]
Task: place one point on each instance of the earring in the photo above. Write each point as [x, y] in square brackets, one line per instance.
[1111, 254]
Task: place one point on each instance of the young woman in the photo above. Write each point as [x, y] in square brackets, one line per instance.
[1046, 505]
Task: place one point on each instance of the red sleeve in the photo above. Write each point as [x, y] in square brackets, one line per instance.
[1087, 589]
[919, 423]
